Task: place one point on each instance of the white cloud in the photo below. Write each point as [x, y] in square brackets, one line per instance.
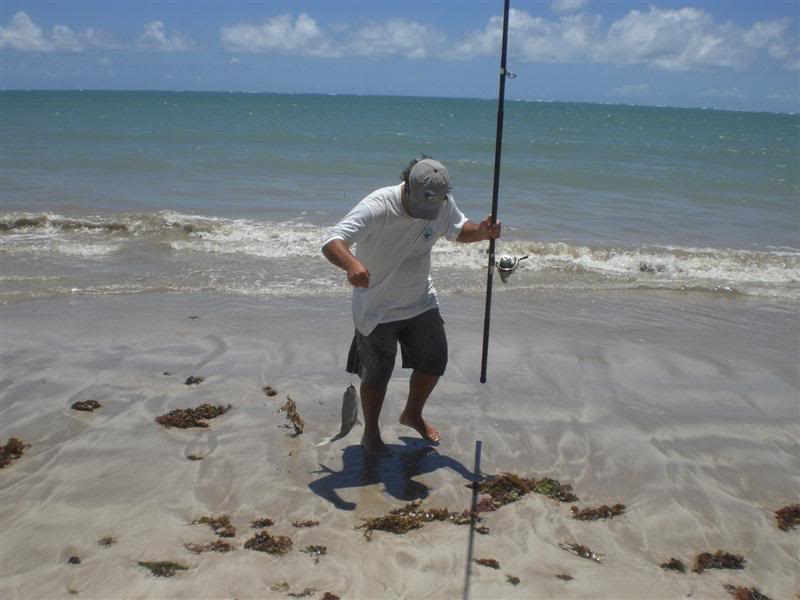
[533, 39]
[395, 37]
[279, 34]
[633, 90]
[568, 6]
[675, 40]
[772, 35]
[23, 34]
[155, 38]
[783, 97]
[715, 93]
[671, 39]
[234, 61]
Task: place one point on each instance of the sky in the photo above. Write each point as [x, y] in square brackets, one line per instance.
[729, 54]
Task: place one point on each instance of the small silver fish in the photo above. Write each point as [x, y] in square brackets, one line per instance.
[349, 414]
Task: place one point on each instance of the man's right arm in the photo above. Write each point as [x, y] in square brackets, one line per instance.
[338, 253]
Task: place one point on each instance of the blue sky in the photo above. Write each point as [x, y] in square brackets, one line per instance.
[725, 54]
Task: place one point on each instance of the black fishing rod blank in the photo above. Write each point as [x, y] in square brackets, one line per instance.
[495, 188]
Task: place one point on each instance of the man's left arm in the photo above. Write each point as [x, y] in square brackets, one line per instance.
[479, 232]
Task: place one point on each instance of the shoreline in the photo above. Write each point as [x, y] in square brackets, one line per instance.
[682, 409]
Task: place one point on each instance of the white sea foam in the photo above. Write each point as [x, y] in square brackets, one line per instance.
[197, 243]
[265, 240]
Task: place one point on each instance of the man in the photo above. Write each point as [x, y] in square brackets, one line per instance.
[394, 229]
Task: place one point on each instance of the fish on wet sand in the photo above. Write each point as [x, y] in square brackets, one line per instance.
[349, 414]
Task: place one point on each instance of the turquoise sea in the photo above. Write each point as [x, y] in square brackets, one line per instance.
[130, 192]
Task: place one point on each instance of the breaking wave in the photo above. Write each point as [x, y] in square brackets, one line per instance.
[200, 243]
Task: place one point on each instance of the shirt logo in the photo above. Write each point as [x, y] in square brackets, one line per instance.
[427, 234]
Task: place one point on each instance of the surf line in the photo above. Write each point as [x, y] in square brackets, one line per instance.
[504, 73]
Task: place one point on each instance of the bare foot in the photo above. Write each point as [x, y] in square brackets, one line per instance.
[428, 432]
[374, 446]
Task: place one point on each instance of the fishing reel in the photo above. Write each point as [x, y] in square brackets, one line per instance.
[506, 265]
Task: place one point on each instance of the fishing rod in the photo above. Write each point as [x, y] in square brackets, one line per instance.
[496, 189]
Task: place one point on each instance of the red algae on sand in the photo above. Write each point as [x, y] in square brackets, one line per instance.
[582, 551]
[788, 517]
[413, 516]
[219, 525]
[742, 593]
[264, 542]
[305, 524]
[719, 560]
[262, 523]
[13, 450]
[598, 512]
[488, 562]
[163, 568]
[184, 418]
[674, 564]
[86, 405]
[290, 408]
[215, 546]
[506, 488]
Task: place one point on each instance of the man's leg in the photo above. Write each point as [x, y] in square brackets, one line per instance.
[371, 404]
[420, 387]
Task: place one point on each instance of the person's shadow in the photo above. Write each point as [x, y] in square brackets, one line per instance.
[396, 471]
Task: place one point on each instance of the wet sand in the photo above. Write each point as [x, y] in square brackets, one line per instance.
[683, 407]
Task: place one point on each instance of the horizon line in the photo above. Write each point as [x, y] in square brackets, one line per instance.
[527, 100]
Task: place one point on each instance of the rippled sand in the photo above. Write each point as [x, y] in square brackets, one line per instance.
[682, 407]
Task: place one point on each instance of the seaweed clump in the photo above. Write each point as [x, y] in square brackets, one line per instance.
[264, 542]
[330, 596]
[262, 523]
[674, 564]
[163, 568]
[280, 587]
[788, 517]
[220, 525]
[742, 593]
[215, 546]
[507, 488]
[597, 512]
[305, 524]
[554, 489]
[413, 516]
[513, 580]
[106, 542]
[582, 551]
[86, 405]
[290, 408]
[13, 450]
[194, 380]
[269, 391]
[306, 592]
[719, 560]
[488, 562]
[315, 551]
[183, 418]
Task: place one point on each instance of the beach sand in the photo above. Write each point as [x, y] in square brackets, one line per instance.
[683, 407]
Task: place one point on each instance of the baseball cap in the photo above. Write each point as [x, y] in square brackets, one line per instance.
[428, 186]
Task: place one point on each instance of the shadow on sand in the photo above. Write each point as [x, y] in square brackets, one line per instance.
[395, 471]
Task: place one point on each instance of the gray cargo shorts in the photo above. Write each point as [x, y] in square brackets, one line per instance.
[423, 346]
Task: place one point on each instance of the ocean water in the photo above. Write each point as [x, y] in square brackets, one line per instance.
[130, 192]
